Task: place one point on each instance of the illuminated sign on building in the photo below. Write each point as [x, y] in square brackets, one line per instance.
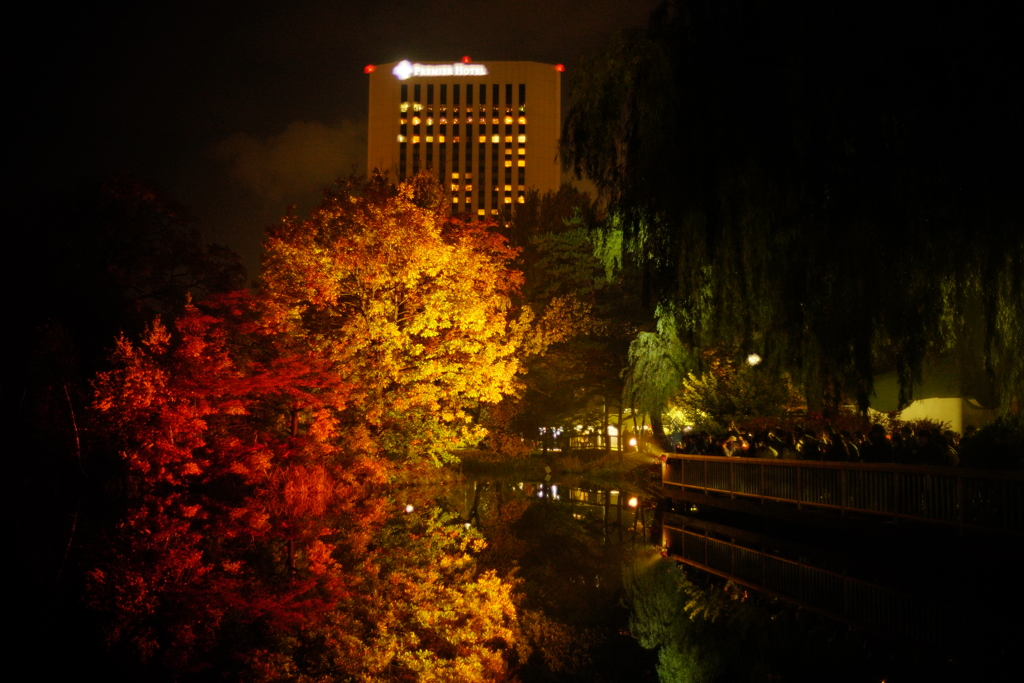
[404, 69]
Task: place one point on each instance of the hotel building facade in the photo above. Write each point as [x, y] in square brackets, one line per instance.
[487, 130]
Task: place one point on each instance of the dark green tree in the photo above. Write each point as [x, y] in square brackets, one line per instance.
[833, 186]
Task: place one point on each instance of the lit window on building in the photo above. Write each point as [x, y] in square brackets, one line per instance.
[430, 121]
[430, 138]
[508, 188]
[521, 199]
[522, 162]
[415, 139]
[455, 139]
[522, 151]
[455, 200]
[415, 120]
[508, 200]
[481, 212]
[522, 138]
[417, 106]
[404, 108]
[508, 163]
[495, 139]
[508, 139]
[468, 176]
[522, 120]
[495, 121]
[403, 121]
[455, 175]
[469, 188]
[455, 187]
[508, 119]
[401, 138]
[440, 138]
[483, 139]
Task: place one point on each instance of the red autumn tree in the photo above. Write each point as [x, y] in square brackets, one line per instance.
[245, 504]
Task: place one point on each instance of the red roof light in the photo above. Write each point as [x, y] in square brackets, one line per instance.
[466, 60]
[559, 68]
[369, 69]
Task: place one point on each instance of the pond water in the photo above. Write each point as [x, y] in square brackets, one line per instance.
[569, 542]
[618, 583]
[592, 557]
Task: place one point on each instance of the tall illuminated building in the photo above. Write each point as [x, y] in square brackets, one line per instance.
[487, 130]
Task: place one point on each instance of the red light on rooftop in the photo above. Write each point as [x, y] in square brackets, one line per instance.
[369, 69]
[466, 60]
[559, 68]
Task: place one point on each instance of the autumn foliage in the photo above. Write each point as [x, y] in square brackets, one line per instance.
[411, 307]
[257, 434]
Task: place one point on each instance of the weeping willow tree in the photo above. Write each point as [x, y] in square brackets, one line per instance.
[658, 364]
[835, 187]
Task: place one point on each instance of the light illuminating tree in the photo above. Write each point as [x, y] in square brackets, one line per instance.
[258, 433]
[412, 308]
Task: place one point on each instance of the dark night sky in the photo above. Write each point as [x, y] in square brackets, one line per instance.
[238, 109]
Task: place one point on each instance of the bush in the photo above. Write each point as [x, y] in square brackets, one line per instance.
[996, 446]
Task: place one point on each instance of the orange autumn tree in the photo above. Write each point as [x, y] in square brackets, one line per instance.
[410, 306]
[259, 535]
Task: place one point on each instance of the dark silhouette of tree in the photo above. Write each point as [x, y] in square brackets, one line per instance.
[833, 186]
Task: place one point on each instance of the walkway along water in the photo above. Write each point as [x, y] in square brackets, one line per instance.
[967, 499]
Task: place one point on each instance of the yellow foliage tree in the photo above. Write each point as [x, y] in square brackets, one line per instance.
[412, 308]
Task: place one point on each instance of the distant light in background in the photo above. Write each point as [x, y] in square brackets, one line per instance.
[633, 502]
[753, 359]
[632, 442]
[409, 508]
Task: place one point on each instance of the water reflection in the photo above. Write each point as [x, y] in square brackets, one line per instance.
[617, 512]
[567, 543]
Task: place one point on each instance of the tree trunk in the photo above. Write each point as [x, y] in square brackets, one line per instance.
[813, 394]
[604, 431]
[619, 437]
[659, 430]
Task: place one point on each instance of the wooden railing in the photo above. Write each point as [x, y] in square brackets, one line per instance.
[965, 498]
[842, 597]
